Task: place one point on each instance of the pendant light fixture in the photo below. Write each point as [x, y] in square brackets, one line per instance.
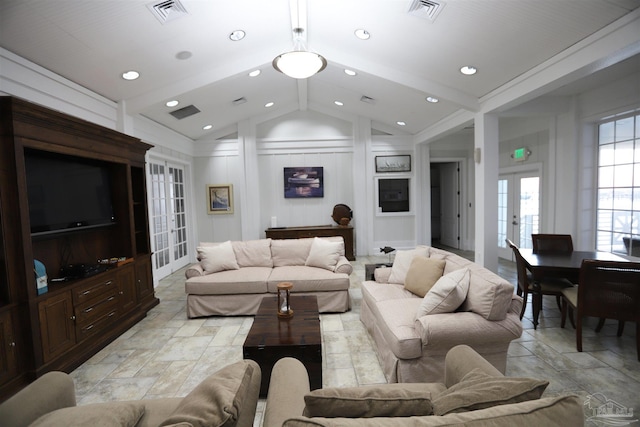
[299, 63]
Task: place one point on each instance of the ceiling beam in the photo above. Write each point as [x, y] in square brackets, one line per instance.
[592, 54]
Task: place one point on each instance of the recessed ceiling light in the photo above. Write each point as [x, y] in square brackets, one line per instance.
[185, 54]
[468, 70]
[207, 127]
[350, 72]
[172, 103]
[269, 104]
[130, 75]
[401, 123]
[338, 103]
[237, 35]
[254, 73]
[432, 99]
[362, 34]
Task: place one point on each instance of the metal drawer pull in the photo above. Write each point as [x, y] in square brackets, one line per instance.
[111, 298]
[86, 310]
[88, 327]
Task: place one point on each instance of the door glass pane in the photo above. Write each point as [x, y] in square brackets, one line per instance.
[529, 209]
[159, 215]
[503, 198]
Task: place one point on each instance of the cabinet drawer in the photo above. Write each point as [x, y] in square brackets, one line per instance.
[92, 290]
[86, 313]
[97, 324]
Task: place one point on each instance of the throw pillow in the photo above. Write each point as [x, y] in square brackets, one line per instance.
[253, 253]
[423, 274]
[478, 390]
[217, 258]
[386, 400]
[402, 261]
[446, 295]
[218, 399]
[323, 254]
[117, 414]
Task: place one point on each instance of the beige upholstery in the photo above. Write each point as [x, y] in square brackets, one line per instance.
[262, 265]
[55, 391]
[412, 349]
[289, 384]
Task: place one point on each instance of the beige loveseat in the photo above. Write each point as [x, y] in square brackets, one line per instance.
[231, 278]
[226, 398]
[414, 325]
[473, 393]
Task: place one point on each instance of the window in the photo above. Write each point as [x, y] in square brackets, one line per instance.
[618, 196]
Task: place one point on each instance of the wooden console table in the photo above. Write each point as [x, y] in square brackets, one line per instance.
[316, 231]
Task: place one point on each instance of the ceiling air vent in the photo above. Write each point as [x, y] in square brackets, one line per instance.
[367, 99]
[168, 10]
[426, 9]
[239, 101]
[185, 112]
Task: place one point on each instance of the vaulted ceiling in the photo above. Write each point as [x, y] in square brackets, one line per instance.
[191, 58]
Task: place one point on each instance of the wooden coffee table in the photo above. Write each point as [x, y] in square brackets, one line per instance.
[271, 338]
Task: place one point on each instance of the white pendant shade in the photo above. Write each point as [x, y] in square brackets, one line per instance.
[299, 64]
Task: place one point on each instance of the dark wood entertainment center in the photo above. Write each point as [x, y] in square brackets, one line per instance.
[74, 319]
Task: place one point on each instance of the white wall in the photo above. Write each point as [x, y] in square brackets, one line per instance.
[562, 143]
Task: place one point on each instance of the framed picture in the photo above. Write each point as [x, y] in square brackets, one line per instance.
[220, 199]
[303, 182]
[393, 163]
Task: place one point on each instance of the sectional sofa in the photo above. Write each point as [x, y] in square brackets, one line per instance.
[431, 300]
[227, 397]
[231, 278]
[473, 393]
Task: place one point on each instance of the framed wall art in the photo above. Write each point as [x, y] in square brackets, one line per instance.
[220, 199]
[393, 163]
[303, 182]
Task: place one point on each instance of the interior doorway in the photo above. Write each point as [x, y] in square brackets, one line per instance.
[445, 204]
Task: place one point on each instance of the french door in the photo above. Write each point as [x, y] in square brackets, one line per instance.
[168, 218]
[518, 210]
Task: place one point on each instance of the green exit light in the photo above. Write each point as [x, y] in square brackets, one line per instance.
[520, 154]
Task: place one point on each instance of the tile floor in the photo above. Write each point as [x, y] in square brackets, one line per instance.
[167, 354]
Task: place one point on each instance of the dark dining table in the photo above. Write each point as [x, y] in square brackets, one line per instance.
[565, 265]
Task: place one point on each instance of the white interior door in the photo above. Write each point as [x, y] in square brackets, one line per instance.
[518, 210]
[168, 218]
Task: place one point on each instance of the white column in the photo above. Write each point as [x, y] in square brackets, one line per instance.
[423, 195]
[363, 186]
[250, 193]
[486, 154]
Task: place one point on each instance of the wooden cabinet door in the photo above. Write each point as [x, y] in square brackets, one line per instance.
[144, 281]
[128, 296]
[57, 325]
[8, 360]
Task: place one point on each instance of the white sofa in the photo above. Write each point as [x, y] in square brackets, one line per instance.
[482, 313]
[231, 278]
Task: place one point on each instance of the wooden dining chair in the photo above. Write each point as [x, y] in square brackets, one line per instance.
[608, 290]
[548, 286]
[552, 243]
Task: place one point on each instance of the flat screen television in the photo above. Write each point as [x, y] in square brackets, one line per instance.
[67, 193]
